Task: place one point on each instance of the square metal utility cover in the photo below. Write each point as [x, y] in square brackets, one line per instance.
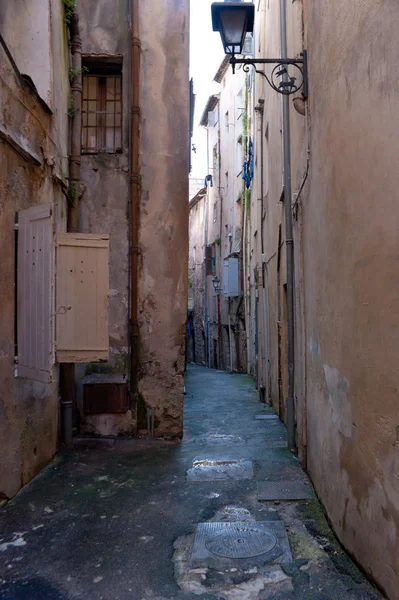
[208, 469]
[283, 490]
[266, 417]
[240, 544]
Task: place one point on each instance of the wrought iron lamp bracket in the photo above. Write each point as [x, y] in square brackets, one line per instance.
[280, 80]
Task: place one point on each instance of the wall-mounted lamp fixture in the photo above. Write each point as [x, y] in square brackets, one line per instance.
[233, 20]
[216, 284]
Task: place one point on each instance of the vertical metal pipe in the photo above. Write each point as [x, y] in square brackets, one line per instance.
[67, 370]
[289, 243]
[135, 199]
[206, 326]
[230, 344]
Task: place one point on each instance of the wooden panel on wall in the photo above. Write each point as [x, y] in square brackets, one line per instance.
[82, 278]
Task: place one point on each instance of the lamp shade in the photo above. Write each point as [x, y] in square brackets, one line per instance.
[233, 20]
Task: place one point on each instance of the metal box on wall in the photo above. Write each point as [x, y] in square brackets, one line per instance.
[231, 287]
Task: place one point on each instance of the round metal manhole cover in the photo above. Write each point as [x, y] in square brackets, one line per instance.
[241, 542]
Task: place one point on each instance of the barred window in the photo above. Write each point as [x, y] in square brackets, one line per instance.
[102, 113]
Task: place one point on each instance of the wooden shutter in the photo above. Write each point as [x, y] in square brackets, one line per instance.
[208, 260]
[231, 287]
[82, 276]
[34, 293]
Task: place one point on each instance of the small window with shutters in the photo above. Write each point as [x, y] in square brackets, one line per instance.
[208, 260]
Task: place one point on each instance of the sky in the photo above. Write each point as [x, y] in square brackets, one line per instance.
[206, 54]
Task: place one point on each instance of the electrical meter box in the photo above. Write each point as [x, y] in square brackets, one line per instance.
[231, 288]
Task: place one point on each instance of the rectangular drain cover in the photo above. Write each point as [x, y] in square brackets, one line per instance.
[240, 543]
[208, 469]
[283, 490]
[265, 417]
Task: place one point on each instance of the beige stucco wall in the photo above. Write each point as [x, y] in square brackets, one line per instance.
[26, 29]
[164, 154]
[28, 410]
[163, 213]
[350, 257]
[104, 207]
[345, 236]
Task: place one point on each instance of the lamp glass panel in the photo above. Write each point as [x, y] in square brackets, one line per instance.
[233, 26]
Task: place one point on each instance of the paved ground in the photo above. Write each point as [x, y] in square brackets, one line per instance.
[118, 522]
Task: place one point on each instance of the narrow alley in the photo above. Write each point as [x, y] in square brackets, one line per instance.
[162, 520]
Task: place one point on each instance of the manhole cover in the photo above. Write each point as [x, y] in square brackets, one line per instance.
[241, 542]
[220, 544]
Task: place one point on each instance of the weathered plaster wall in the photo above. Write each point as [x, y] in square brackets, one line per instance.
[28, 410]
[164, 208]
[104, 207]
[26, 28]
[162, 284]
[345, 238]
[350, 218]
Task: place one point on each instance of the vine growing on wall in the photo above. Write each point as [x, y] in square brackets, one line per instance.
[73, 73]
[72, 106]
[71, 193]
[69, 7]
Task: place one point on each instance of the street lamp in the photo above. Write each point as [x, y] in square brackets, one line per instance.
[233, 20]
[216, 284]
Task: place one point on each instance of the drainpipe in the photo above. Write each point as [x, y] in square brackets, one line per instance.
[206, 215]
[230, 343]
[289, 242]
[67, 370]
[134, 199]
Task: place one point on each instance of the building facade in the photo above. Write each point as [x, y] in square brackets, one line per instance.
[34, 90]
[344, 182]
[94, 137]
[217, 230]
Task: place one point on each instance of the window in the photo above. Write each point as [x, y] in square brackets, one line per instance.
[215, 211]
[215, 158]
[102, 111]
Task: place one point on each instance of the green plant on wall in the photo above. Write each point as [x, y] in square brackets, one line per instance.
[71, 193]
[217, 240]
[72, 106]
[73, 73]
[69, 7]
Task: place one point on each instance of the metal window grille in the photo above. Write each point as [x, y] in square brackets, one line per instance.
[102, 113]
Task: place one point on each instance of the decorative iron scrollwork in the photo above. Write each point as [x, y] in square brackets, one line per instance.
[288, 76]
